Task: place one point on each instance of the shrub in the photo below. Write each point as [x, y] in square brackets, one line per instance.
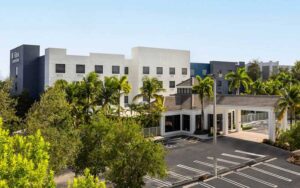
[87, 180]
[291, 138]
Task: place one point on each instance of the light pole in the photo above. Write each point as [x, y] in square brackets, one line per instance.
[214, 76]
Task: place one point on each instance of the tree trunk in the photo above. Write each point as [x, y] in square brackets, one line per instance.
[202, 114]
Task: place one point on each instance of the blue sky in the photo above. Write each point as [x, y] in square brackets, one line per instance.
[232, 30]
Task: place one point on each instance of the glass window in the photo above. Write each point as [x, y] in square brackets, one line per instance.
[186, 122]
[219, 83]
[172, 84]
[204, 72]
[116, 69]
[126, 70]
[126, 99]
[192, 72]
[99, 69]
[172, 70]
[80, 69]
[184, 71]
[172, 123]
[159, 70]
[17, 71]
[146, 70]
[60, 68]
[16, 86]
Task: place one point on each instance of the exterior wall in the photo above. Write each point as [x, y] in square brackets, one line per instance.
[156, 57]
[25, 58]
[268, 68]
[199, 69]
[224, 67]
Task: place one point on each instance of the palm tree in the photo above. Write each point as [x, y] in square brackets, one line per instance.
[150, 90]
[204, 88]
[289, 100]
[238, 79]
[109, 92]
[258, 87]
[273, 87]
[123, 87]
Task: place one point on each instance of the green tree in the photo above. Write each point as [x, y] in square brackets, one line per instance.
[238, 79]
[258, 87]
[150, 90]
[253, 70]
[132, 156]
[24, 102]
[109, 92]
[24, 161]
[291, 138]
[204, 88]
[123, 87]
[289, 100]
[7, 107]
[85, 181]
[296, 70]
[52, 115]
[273, 87]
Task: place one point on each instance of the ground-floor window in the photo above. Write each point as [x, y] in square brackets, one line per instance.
[198, 122]
[172, 123]
[186, 122]
[210, 121]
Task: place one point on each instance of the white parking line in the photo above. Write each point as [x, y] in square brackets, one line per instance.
[205, 185]
[256, 179]
[225, 161]
[164, 183]
[248, 153]
[209, 164]
[233, 182]
[180, 176]
[192, 169]
[271, 159]
[283, 169]
[237, 156]
[271, 174]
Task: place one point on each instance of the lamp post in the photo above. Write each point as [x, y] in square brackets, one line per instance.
[214, 76]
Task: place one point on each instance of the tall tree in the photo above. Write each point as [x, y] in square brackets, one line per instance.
[204, 88]
[273, 87]
[258, 87]
[132, 156]
[52, 116]
[289, 100]
[123, 87]
[109, 92]
[7, 107]
[296, 70]
[24, 161]
[150, 90]
[238, 79]
[253, 70]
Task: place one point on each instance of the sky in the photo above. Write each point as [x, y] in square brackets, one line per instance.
[228, 30]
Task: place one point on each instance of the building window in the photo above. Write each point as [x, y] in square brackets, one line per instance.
[116, 69]
[172, 123]
[186, 122]
[219, 83]
[146, 70]
[172, 70]
[125, 99]
[16, 86]
[60, 68]
[184, 71]
[99, 69]
[80, 69]
[204, 72]
[145, 99]
[192, 72]
[159, 70]
[126, 70]
[17, 71]
[172, 84]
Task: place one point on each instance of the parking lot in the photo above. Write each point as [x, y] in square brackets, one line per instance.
[240, 164]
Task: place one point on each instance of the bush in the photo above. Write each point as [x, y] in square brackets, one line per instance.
[85, 181]
[291, 138]
[24, 161]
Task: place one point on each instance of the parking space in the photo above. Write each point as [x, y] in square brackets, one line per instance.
[240, 164]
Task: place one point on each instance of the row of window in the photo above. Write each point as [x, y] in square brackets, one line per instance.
[160, 70]
[80, 69]
[61, 68]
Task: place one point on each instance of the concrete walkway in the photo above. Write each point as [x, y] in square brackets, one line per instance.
[250, 136]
